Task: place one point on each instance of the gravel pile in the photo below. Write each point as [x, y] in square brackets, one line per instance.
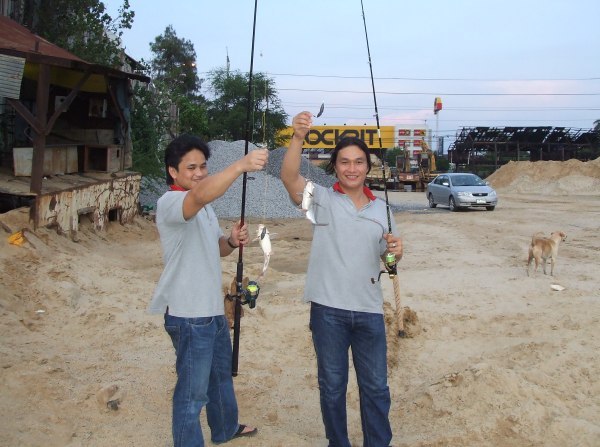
[266, 196]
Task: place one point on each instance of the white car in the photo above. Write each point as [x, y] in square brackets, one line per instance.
[461, 190]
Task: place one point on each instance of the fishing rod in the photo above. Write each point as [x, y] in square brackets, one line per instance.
[390, 260]
[249, 295]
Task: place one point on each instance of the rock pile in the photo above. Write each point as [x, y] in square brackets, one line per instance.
[266, 196]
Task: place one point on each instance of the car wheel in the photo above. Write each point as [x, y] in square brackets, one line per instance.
[452, 204]
[490, 208]
[432, 204]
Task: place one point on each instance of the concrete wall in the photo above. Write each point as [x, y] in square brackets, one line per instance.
[115, 199]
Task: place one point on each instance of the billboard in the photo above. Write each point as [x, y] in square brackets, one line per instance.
[326, 137]
[437, 105]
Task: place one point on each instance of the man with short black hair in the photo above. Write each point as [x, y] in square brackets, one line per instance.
[189, 290]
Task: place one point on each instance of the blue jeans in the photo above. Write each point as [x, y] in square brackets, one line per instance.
[333, 332]
[203, 349]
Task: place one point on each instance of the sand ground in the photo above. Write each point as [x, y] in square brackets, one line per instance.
[496, 358]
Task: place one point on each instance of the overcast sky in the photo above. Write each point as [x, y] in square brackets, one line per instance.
[493, 63]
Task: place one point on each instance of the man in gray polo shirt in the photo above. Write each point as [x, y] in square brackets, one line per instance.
[189, 290]
[350, 237]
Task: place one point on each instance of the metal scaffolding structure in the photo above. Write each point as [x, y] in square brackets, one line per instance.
[484, 149]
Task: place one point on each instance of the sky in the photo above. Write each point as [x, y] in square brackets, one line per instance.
[492, 63]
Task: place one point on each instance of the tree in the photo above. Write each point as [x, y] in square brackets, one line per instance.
[227, 113]
[175, 62]
[149, 130]
[443, 164]
[597, 125]
[192, 117]
[173, 69]
[391, 154]
[82, 27]
[170, 105]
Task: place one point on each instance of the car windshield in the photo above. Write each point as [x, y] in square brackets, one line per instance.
[467, 180]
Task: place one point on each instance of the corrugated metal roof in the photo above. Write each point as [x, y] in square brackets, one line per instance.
[15, 38]
[11, 75]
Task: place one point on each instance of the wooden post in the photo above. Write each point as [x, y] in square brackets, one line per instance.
[39, 142]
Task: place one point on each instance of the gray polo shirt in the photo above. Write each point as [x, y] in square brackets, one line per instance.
[190, 283]
[346, 252]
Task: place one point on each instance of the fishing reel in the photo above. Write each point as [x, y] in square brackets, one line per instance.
[391, 267]
[390, 264]
[250, 294]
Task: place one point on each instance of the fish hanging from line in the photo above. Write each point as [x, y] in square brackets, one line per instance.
[264, 239]
[308, 205]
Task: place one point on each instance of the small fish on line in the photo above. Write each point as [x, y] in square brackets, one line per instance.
[308, 204]
[264, 239]
[320, 112]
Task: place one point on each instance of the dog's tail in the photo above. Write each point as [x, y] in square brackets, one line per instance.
[530, 258]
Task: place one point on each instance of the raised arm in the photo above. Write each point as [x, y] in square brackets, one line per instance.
[214, 186]
[290, 168]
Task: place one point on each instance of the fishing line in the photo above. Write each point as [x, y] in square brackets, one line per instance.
[264, 126]
[317, 115]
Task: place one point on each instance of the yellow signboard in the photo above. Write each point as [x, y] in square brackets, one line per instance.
[326, 137]
[67, 78]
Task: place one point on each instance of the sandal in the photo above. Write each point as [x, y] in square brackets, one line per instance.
[240, 432]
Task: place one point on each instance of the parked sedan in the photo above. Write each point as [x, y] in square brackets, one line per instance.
[461, 190]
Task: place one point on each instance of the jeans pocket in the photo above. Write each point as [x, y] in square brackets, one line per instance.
[173, 332]
[200, 322]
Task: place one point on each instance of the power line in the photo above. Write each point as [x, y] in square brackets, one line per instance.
[434, 94]
[422, 120]
[434, 79]
[393, 78]
[467, 109]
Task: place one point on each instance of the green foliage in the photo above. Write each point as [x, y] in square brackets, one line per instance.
[158, 117]
[193, 117]
[442, 164]
[391, 154]
[170, 105]
[82, 27]
[149, 131]
[228, 110]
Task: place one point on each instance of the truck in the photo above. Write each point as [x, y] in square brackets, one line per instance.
[415, 172]
[408, 171]
[380, 171]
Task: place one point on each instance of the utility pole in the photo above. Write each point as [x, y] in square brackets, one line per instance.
[227, 64]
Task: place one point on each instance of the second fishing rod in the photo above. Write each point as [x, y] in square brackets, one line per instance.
[390, 260]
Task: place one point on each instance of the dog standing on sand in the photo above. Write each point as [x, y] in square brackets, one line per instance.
[542, 248]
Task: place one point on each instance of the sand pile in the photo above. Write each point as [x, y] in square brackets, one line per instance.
[548, 177]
